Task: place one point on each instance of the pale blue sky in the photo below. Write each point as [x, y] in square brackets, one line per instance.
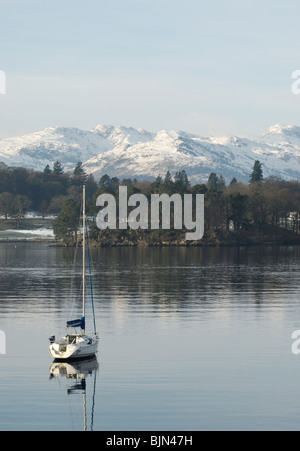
[208, 67]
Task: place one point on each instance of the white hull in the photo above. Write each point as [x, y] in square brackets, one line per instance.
[74, 347]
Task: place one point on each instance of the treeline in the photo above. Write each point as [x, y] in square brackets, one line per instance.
[45, 192]
[261, 210]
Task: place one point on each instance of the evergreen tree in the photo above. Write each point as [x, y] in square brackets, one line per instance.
[212, 184]
[105, 182]
[57, 168]
[257, 173]
[66, 224]
[155, 185]
[168, 177]
[181, 180]
[79, 175]
[47, 170]
[168, 186]
[221, 183]
[109, 184]
[114, 184]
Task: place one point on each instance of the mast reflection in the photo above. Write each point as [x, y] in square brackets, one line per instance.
[77, 373]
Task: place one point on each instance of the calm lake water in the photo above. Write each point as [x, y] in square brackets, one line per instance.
[191, 339]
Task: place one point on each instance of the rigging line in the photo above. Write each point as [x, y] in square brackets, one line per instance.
[90, 274]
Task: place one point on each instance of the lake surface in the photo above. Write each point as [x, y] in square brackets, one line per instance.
[191, 339]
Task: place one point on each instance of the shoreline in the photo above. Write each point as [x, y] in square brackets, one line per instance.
[54, 243]
[27, 240]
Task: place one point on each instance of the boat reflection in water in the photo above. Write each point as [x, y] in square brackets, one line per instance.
[77, 373]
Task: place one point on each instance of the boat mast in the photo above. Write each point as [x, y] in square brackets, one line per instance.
[83, 258]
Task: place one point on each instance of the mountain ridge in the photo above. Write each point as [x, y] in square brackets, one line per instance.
[128, 152]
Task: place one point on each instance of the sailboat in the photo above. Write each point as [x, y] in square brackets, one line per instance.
[78, 345]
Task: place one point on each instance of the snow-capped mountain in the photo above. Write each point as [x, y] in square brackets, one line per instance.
[278, 133]
[127, 152]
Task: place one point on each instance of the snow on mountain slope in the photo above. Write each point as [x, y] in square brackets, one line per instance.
[127, 152]
[146, 159]
[282, 134]
[123, 136]
[68, 145]
[199, 156]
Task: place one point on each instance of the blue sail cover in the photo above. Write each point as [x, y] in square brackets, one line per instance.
[77, 323]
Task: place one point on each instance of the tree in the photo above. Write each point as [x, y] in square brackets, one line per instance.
[20, 205]
[109, 184]
[258, 205]
[168, 177]
[155, 185]
[221, 183]
[127, 182]
[91, 186]
[19, 181]
[47, 170]
[181, 180]
[114, 184]
[199, 189]
[56, 204]
[167, 186]
[238, 205]
[212, 184]
[105, 182]
[5, 180]
[57, 168]
[66, 224]
[6, 204]
[79, 175]
[257, 173]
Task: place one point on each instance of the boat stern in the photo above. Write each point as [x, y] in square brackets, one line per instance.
[80, 347]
